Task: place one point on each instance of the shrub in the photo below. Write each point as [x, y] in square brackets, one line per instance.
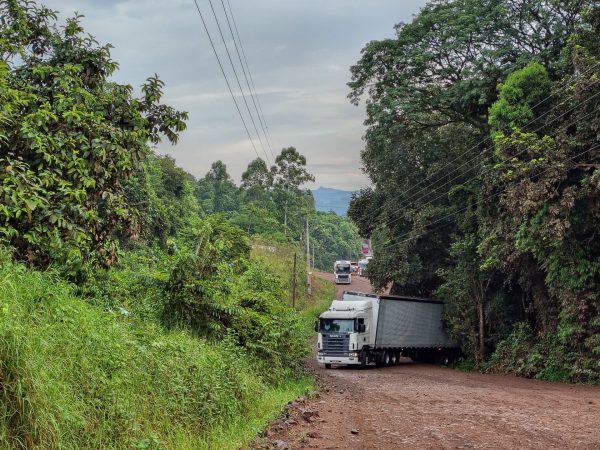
[74, 376]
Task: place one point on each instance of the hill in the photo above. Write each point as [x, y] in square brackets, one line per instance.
[329, 199]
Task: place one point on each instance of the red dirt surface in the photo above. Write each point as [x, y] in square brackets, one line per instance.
[420, 406]
[359, 284]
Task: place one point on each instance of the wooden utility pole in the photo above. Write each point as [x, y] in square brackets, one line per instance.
[294, 284]
[285, 218]
[308, 278]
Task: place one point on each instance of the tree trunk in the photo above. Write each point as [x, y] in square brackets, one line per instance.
[481, 348]
[481, 318]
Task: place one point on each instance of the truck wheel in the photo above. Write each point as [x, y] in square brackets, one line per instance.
[386, 358]
[394, 359]
[363, 359]
[327, 365]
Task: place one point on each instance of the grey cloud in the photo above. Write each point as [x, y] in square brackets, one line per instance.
[299, 53]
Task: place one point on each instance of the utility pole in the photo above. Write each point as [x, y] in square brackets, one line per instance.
[285, 219]
[294, 284]
[309, 281]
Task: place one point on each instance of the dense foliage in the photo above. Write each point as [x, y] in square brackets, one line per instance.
[76, 376]
[482, 144]
[70, 138]
[270, 203]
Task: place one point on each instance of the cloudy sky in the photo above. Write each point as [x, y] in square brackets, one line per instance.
[299, 53]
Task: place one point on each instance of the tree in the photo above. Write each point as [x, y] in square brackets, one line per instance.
[481, 150]
[257, 175]
[333, 237]
[289, 170]
[257, 181]
[70, 139]
[162, 198]
[216, 191]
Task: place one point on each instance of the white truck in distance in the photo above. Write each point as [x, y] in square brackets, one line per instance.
[343, 272]
[365, 329]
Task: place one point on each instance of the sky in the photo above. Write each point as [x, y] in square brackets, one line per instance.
[299, 53]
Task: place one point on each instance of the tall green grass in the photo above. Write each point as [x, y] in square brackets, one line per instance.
[75, 376]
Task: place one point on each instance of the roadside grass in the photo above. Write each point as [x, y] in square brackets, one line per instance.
[73, 375]
[243, 430]
[323, 292]
[280, 259]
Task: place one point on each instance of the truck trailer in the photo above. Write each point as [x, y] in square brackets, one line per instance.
[368, 329]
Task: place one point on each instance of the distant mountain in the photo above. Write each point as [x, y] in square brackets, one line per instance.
[329, 199]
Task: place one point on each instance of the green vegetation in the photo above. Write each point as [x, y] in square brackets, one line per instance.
[76, 376]
[270, 204]
[138, 305]
[70, 139]
[483, 149]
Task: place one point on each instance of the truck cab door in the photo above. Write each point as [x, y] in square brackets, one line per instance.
[364, 335]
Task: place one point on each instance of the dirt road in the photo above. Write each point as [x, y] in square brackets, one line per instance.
[423, 406]
[359, 284]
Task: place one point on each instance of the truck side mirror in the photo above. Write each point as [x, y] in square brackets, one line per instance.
[316, 326]
[362, 328]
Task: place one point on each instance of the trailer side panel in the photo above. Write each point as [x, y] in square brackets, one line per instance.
[410, 324]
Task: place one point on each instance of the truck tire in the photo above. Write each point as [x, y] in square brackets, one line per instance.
[386, 358]
[327, 365]
[363, 359]
[394, 358]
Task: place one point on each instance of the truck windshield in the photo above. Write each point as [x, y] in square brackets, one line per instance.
[342, 268]
[336, 325]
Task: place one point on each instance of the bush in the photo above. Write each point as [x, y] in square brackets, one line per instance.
[74, 376]
[542, 357]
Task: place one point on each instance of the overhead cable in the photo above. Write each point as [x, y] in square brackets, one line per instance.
[252, 95]
[430, 201]
[396, 197]
[237, 78]
[226, 80]
[269, 138]
[494, 194]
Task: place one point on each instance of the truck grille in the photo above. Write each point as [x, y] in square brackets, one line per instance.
[336, 344]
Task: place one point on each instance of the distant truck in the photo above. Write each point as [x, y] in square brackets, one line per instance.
[362, 265]
[368, 329]
[343, 272]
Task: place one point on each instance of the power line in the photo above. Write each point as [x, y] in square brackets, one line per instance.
[252, 95]
[237, 79]
[226, 80]
[250, 74]
[478, 144]
[490, 148]
[484, 199]
[518, 154]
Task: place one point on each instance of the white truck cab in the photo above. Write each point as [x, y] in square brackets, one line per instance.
[343, 272]
[344, 329]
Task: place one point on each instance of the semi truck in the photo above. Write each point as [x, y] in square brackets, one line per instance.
[342, 271]
[368, 329]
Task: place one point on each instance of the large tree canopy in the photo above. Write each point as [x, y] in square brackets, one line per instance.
[481, 145]
[69, 138]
